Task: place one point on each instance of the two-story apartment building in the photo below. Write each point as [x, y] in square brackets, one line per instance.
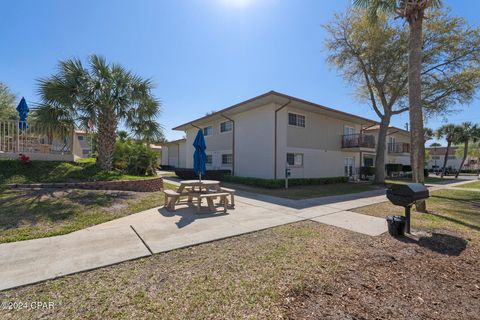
[264, 135]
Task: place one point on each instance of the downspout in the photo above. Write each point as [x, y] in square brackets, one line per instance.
[275, 141]
[233, 142]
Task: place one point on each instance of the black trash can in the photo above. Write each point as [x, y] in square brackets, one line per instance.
[396, 225]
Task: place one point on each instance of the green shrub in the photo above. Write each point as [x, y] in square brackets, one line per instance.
[135, 158]
[367, 171]
[280, 183]
[393, 167]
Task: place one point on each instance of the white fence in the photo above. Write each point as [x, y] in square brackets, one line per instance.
[31, 138]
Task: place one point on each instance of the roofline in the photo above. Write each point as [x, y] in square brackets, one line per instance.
[282, 95]
[174, 141]
[390, 128]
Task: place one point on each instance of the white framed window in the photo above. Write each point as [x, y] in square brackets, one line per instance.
[227, 158]
[226, 126]
[348, 130]
[295, 159]
[209, 159]
[295, 119]
[80, 138]
[208, 131]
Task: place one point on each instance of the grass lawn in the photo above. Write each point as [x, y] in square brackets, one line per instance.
[451, 209]
[30, 214]
[305, 192]
[304, 270]
[471, 185]
[430, 179]
[12, 171]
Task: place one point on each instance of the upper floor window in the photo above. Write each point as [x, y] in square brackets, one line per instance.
[347, 130]
[208, 131]
[226, 126]
[80, 138]
[297, 120]
[452, 157]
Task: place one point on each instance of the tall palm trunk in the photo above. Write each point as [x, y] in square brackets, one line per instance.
[381, 146]
[415, 102]
[107, 124]
[449, 143]
[465, 153]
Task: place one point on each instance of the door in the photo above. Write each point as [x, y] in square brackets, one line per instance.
[348, 167]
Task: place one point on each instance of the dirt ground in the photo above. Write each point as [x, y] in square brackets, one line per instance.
[428, 276]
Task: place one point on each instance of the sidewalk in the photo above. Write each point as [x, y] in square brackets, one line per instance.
[158, 230]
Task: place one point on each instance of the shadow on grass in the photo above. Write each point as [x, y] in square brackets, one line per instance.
[20, 207]
[439, 242]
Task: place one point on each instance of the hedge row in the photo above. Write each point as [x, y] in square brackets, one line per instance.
[280, 183]
[189, 174]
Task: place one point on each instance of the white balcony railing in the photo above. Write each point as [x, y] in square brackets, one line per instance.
[33, 137]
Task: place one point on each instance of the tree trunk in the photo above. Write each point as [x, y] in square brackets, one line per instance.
[449, 143]
[415, 102]
[107, 125]
[465, 153]
[381, 146]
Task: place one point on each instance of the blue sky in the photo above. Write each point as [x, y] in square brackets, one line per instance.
[203, 55]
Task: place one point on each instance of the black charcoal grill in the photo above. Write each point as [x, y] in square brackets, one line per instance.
[405, 195]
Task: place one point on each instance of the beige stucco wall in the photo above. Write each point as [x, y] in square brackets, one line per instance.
[320, 132]
[254, 142]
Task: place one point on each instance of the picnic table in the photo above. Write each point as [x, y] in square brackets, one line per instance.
[201, 186]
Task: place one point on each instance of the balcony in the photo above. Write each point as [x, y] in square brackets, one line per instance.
[399, 147]
[357, 141]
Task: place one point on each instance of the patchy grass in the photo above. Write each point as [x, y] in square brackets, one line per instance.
[305, 192]
[450, 209]
[12, 171]
[241, 277]
[431, 179]
[31, 214]
[471, 185]
[296, 271]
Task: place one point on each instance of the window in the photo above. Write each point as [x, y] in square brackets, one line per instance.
[208, 131]
[227, 158]
[295, 159]
[226, 126]
[209, 159]
[80, 138]
[347, 130]
[452, 157]
[85, 151]
[296, 120]
[436, 157]
[368, 162]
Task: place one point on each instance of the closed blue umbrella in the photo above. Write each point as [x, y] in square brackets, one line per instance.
[199, 156]
[23, 110]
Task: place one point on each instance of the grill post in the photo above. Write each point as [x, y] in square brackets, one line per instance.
[407, 218]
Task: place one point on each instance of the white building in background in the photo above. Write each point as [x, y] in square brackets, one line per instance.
[261, 136]
[174, 154]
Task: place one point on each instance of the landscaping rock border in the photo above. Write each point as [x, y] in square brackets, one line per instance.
[144, 185]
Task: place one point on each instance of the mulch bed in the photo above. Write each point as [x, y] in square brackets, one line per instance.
[428, 276]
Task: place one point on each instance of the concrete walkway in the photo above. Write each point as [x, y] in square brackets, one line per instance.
[158, 230]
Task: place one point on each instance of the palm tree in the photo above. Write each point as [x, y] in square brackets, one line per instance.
[52, 121]
[122, 135]
[105, 94]
[448, 132]
[413, 11]
[466, 132]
